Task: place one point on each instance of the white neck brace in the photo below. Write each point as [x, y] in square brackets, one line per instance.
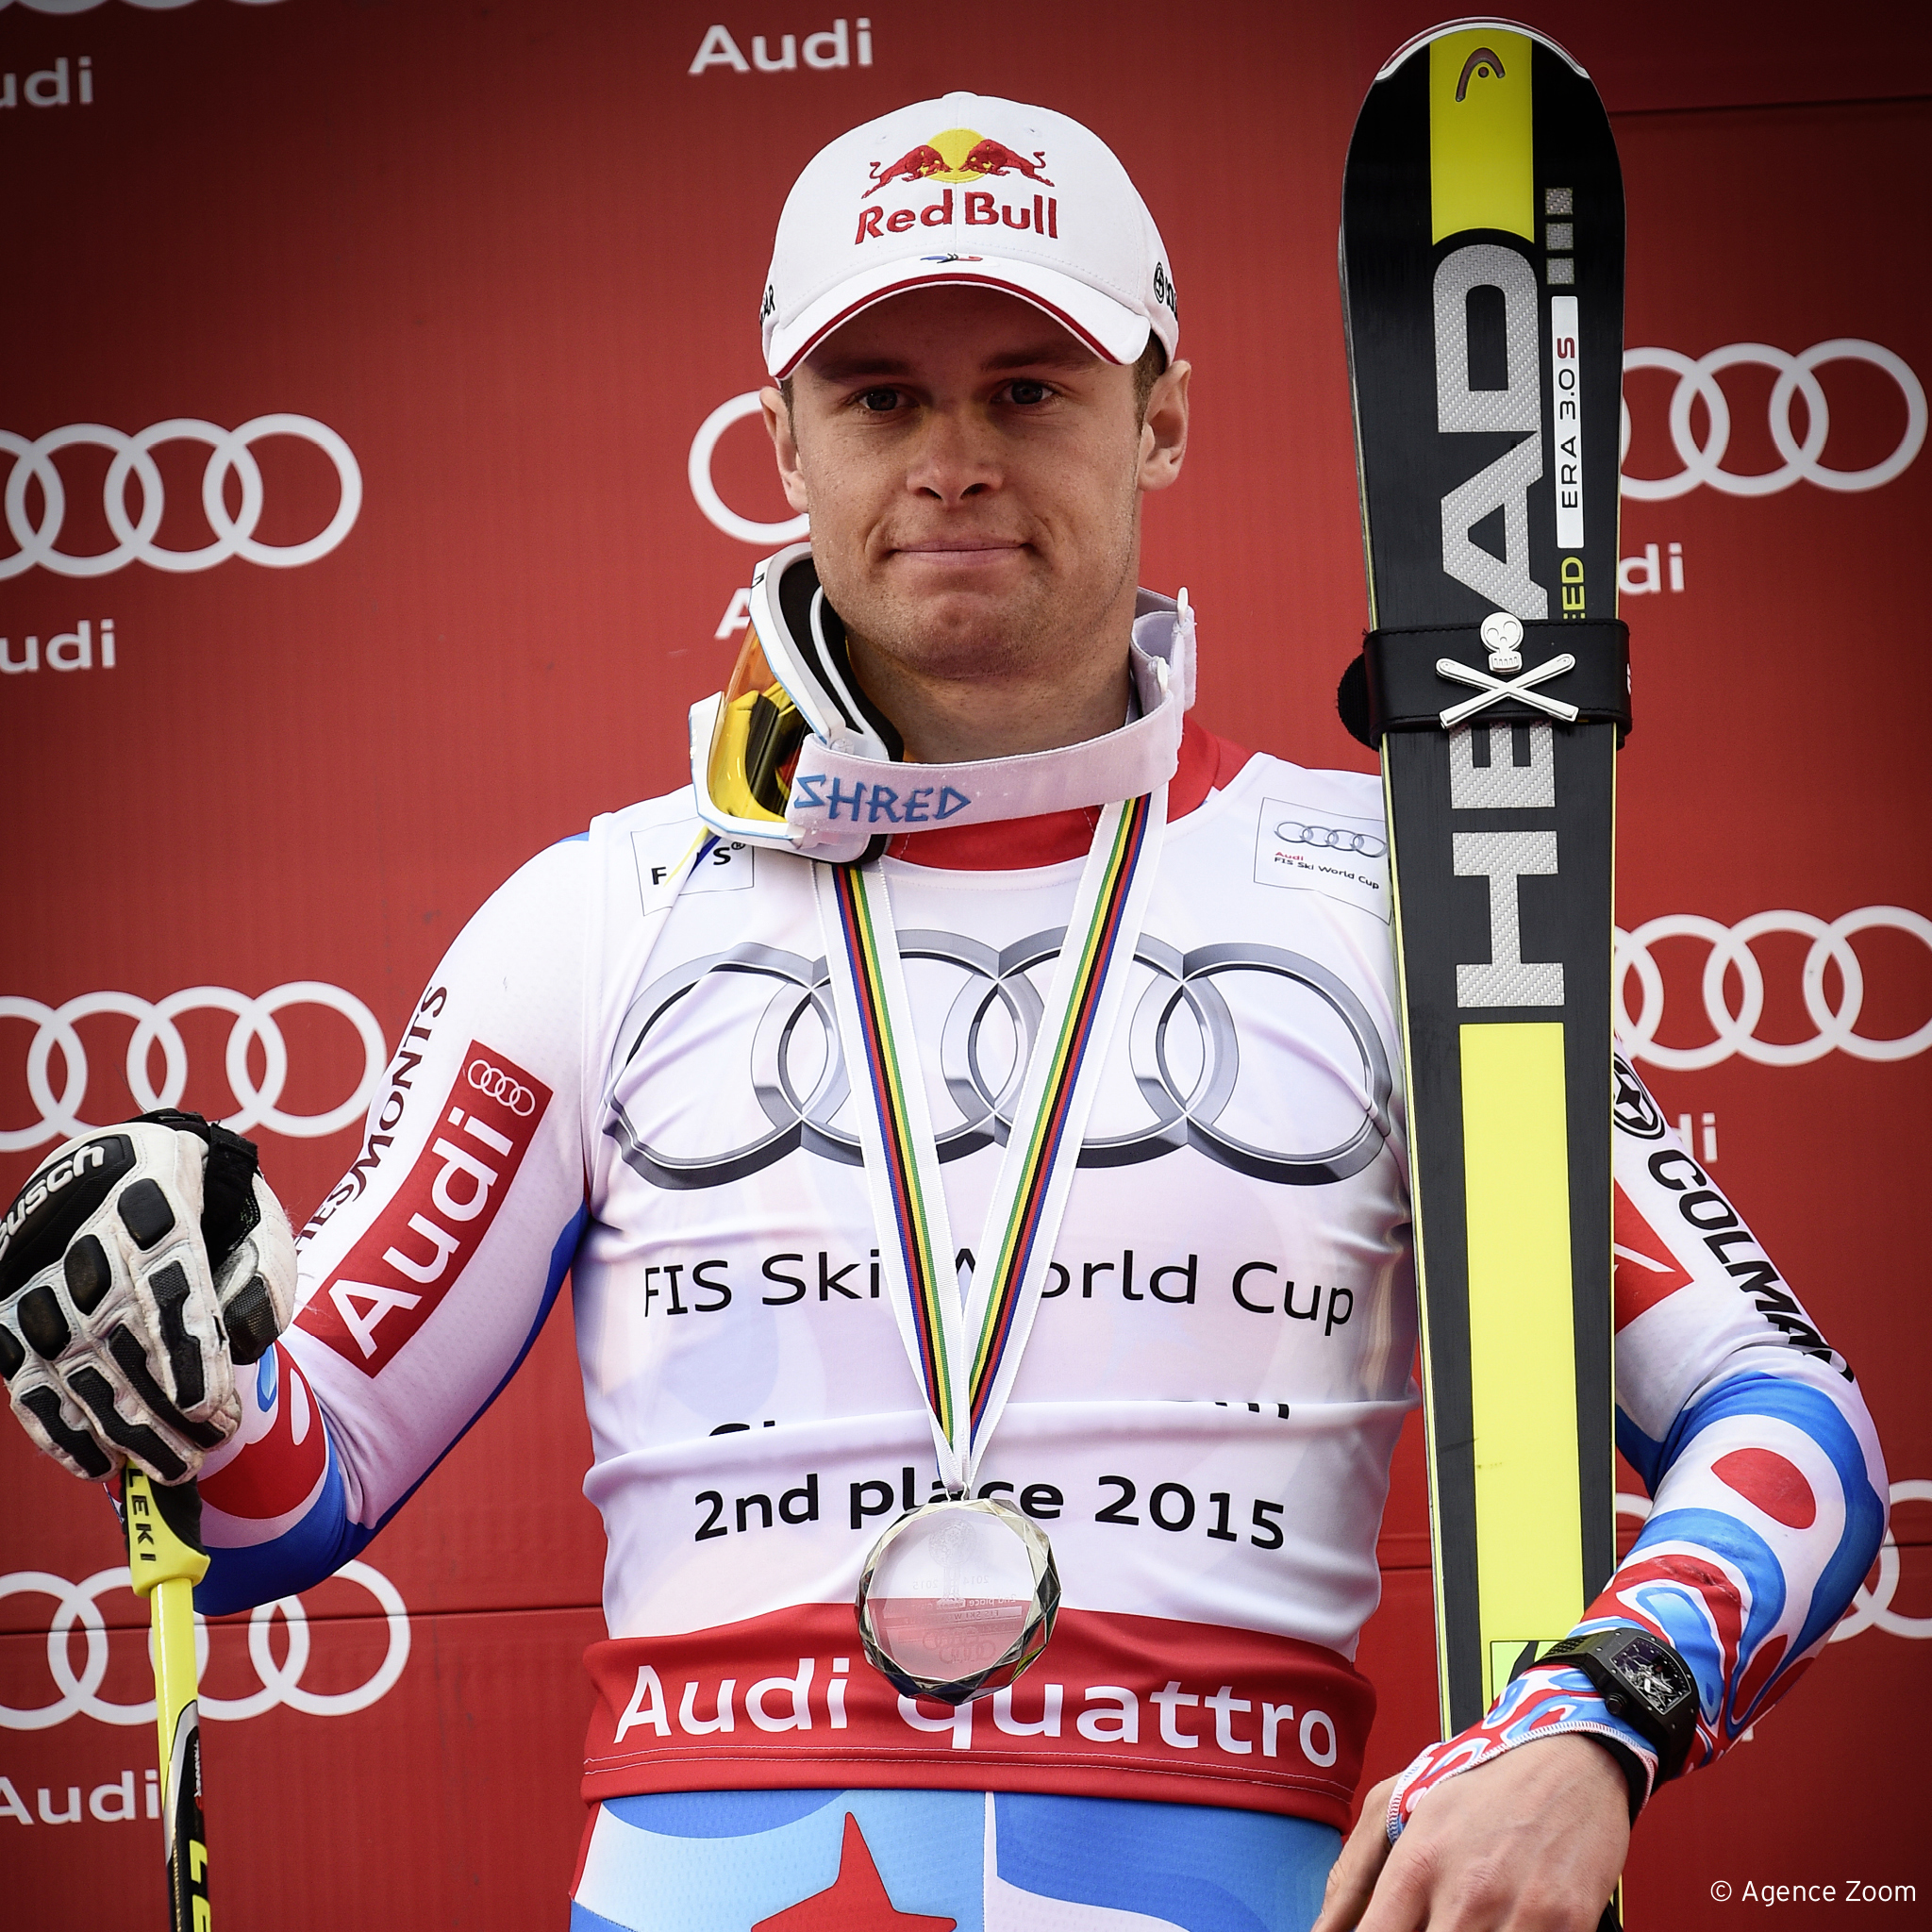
[841, 800]
[847, 791]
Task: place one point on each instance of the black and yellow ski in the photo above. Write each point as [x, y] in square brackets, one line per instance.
[1482, 257]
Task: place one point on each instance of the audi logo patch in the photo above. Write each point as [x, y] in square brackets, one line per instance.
[1333, 838]
[415, 1249]
[486, 1077]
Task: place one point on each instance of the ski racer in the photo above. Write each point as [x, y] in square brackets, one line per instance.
[645, 1065]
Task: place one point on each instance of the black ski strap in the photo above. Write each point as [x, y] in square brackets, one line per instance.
[1398, 684]
[230, 1212]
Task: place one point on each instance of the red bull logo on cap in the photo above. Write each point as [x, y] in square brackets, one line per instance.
[959, 156]
[960, 153]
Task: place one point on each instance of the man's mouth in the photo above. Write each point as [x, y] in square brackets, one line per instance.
[963, 552]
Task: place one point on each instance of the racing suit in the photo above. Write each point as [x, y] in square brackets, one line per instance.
[647, 1092]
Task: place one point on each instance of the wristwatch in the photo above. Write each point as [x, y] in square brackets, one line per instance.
[1642, 1680]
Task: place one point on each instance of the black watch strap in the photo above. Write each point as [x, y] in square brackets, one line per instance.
[1635, 1774]
[1643, 1682]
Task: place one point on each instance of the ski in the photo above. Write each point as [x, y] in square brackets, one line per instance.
[1482, 268]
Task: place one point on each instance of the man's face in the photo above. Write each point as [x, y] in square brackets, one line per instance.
[973, 478]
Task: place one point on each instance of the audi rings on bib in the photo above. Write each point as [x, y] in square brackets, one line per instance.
[254, 1020]
[1186, 1112]
[1703, 462]
[229, 452]
[282, 1683]
[1730, 950]
[1331, 838]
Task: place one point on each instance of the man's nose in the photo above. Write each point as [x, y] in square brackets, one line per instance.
[956, 456]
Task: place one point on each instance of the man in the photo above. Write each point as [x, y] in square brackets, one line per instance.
[947, 810]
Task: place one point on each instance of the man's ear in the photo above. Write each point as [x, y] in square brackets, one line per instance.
[1164, 429]
[784, 446]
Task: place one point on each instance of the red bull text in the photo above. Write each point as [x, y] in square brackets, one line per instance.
[979, 210]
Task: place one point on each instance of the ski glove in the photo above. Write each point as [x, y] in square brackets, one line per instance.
[137, 1267]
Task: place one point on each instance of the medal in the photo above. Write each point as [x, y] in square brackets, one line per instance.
[957, 1597]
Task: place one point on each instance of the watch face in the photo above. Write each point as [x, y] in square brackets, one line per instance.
[1653, 1673]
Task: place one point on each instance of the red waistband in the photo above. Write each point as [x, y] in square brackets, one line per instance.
[1119, 1706]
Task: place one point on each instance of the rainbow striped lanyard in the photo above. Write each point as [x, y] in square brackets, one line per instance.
[965, 1352]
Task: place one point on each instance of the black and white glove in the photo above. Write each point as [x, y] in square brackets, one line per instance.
[137, 1267]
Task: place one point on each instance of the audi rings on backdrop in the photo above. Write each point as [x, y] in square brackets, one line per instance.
[1871, 1609]
[1704, 463]
[1730, 950]
[282, 1683]
[717, 512]
[229, 452]
[1697, 377]
[1184, 1113]
[254, 1020]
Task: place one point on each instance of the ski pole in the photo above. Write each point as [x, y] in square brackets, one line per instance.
[165, 1561]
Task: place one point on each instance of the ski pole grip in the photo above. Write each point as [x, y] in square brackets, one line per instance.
[1397, 683]
[163, 1525]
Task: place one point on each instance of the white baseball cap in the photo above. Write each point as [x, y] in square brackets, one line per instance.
[968, 188]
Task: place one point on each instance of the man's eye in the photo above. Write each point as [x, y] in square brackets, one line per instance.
[1027, 392]
[880, 401]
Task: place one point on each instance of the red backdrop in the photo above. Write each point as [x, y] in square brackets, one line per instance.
[503, 263]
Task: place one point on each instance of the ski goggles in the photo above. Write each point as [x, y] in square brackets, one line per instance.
[792, 754]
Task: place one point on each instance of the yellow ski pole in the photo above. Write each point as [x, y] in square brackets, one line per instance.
[165, 1561]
